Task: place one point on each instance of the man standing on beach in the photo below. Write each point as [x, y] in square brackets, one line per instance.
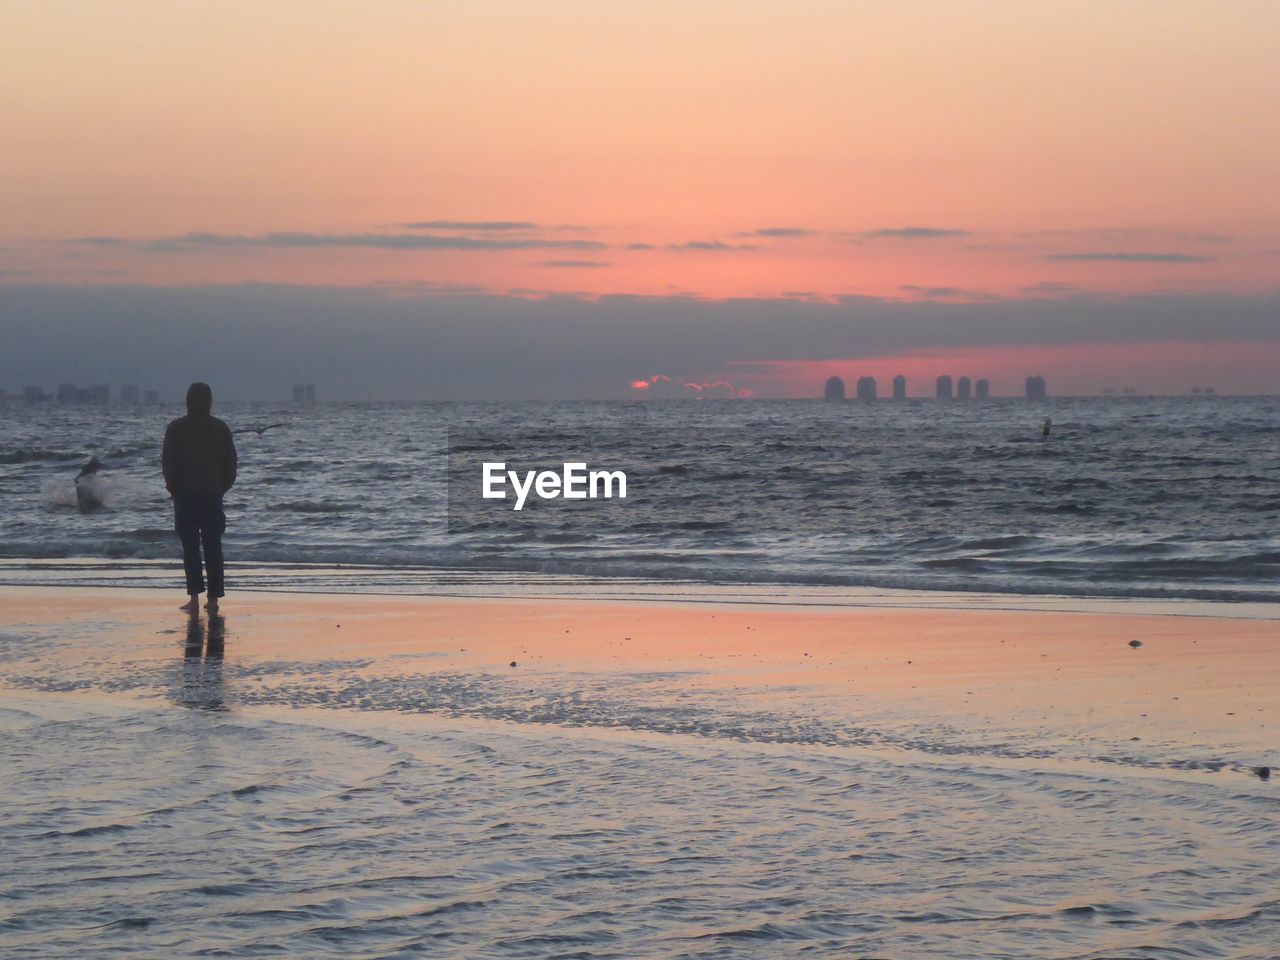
[199, 467]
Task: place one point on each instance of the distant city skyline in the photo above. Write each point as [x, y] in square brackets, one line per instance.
[867, 389]
[256, 342]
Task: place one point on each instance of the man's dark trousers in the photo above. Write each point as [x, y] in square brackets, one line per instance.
[201, 522]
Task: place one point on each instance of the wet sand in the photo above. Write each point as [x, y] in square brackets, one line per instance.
[371, 777]
[1204, 682]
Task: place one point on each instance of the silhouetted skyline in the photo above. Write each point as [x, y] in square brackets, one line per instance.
[363, 344]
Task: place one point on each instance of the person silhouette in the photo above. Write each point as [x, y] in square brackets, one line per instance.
[88, 495]
[199, 463]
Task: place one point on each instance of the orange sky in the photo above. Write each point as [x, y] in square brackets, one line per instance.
[1038, 129]
[913, 149]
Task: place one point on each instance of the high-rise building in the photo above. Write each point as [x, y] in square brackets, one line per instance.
[34, 394]
[944, 387]
[982, 390]
[834, 390]
[866, 388]
[299, 393]
[309, 391]
[964, 389]
[1036, 389]
[899, 387]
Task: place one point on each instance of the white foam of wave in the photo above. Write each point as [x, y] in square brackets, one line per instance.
[105, 490]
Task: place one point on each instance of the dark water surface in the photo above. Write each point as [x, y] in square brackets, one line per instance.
[1163, 497]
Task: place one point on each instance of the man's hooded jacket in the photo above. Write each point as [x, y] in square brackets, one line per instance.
[199, 455]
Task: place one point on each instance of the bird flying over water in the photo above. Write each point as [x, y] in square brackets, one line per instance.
[259, 430]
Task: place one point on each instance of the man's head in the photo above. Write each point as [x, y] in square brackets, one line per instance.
[199, 398]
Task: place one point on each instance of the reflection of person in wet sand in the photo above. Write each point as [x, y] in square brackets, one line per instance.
[198, 637]
[199, 467]
[201, 682]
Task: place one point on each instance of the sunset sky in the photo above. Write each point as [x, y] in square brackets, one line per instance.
[859, 161]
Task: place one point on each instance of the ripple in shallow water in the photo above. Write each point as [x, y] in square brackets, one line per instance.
[194, 832]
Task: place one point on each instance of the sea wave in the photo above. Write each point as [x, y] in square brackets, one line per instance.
[917, 496]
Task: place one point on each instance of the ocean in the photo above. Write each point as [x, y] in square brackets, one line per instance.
[266, 784]
[1168, 497]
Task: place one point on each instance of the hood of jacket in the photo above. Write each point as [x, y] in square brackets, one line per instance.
[199, 399]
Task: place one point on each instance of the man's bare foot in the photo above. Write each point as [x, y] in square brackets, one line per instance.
[212, 607]
[191, 606]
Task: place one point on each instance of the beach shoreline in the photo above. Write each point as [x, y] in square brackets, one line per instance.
[1050, 676]
[529, 776]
